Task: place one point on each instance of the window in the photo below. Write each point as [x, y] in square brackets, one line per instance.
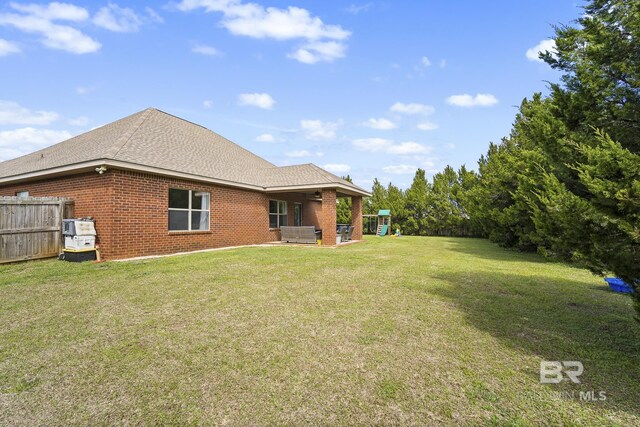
[22, 194]
[277, 213]
[297, 214]
[188, 210]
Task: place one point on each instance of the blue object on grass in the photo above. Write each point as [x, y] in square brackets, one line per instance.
[617, 285]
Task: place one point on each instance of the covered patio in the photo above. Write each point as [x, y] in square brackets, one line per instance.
[310, 214]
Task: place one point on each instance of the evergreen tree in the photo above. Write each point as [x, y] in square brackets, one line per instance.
[378, 199]
[591, 196]
[417, 205]
[343, 207]
[445, 214]
[396, 203]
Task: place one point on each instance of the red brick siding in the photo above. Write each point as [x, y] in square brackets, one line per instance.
[131, 212]
[356, 217]
[92, 194]
[238, 217]
[311, 209]
[329, 217]
[312, 213]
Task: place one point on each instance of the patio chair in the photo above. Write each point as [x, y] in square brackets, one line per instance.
[343, 234]
[349, 233]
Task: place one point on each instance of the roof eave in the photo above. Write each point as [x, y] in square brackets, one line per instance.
[315, 187]
[117, 164]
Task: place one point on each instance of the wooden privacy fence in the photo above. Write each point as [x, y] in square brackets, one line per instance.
[31, 227]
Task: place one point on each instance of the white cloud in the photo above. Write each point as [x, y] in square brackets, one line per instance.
[207, 103]
[409, 147]
[545, 45]
[11, 113]
[428, 126]
[380, 124]
[38, 19]
[205, 50]
[372, 144]
[266, 137]
[118, 19]
[153, 16]
[298, 153]
[53, 11]
[466, 100]
[412, 108]
[18, 142]
[83, 90]
[254, 20]
[425, 61]
[314, 52]
[7, 47]
[355, 9]
[443, 63]
[400, 169]
[390, 147]
[316, 129]
[260, 100]
[79, 121]
[337, 168]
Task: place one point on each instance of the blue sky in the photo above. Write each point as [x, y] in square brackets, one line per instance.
[372, 89]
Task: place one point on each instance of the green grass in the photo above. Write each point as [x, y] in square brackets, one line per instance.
[392, 331]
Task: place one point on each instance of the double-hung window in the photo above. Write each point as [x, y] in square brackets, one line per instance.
[188, 210]
[277, 213]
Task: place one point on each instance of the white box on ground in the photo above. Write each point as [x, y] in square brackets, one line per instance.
[76, 227]
[79, 242]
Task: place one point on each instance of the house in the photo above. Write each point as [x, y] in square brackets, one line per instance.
[159, 184]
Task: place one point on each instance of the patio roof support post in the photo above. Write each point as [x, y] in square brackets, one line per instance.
[356, 217]
[328, 217]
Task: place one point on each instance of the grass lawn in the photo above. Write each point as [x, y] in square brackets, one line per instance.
[414, 330]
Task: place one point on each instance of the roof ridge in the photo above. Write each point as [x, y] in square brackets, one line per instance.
[181, 118]
[326, 173]
[215, 133]
[126, 136]
[334, 176]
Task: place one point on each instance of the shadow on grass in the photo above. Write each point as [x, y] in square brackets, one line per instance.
[557, 319]
[483, 248]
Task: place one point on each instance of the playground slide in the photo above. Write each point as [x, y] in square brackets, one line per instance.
[383, 232]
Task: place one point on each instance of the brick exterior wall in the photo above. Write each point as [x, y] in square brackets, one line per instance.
[311, 209]
[131, 212]
[356, 217]
[92, 195]
[328, 217]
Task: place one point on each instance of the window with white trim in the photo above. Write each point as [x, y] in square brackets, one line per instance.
[277, 213]
[188, 210]
[22, 194]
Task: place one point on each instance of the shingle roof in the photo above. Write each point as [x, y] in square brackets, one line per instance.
[155, 139]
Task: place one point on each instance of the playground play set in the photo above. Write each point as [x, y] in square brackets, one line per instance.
[383, 224]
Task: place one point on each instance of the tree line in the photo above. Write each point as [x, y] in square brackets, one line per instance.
[566, 181]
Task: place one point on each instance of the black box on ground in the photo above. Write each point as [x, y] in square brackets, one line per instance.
[79, 256]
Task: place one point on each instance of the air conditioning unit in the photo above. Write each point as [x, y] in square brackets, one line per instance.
[79, 234]
[79, 242]
[78, 227]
